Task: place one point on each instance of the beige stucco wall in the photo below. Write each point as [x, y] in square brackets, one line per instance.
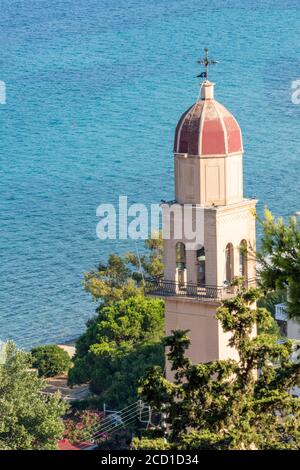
[200, 320]
[187, 179]
[235, 223]
[208, 341]
[209, 180]
[222, 225]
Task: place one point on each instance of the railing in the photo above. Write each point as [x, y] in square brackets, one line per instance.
[281, 312]
[164, 288]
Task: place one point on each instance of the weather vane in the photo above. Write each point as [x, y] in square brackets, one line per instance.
[206, 62]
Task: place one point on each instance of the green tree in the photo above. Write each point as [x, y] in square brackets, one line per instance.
[225, 404]
[119, 344]
[279, 259]
[268, 301]
[29, 419]
[50, 360]
[123, 277]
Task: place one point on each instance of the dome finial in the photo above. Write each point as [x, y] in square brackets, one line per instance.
[206, 62]
[207, 90]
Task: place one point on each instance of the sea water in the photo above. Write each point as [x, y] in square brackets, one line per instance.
[94, 89]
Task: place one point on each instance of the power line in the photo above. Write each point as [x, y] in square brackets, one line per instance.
[124, 422]
[117, 427]
[106, 427]
[136, 411]
[121, 414]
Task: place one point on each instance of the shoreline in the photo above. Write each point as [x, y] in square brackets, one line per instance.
[69, 346]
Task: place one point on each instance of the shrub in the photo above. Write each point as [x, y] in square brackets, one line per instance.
[29, 419]
[119, 440]
[50, 360]
[150, 444]
[80, 426]
[121, 342]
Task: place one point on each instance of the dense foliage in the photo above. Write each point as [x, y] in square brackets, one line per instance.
[123, 277]
[225, 404]
[120, 343]
[125, 336]
[28, 418]
[280, 259]
[50, 360]
[120, 440]
[80, 425]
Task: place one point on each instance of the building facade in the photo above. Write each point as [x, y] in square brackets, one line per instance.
[208, 165]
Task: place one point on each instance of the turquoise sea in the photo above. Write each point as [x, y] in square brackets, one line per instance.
[94, 91]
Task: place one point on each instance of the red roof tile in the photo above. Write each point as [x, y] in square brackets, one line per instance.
[208, 128]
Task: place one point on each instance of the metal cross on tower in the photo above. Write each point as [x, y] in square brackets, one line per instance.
[206, 62]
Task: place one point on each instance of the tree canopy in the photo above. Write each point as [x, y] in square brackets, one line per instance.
[29, 419]
[123, 277]
[279, 259]
[227, 404]
[120, 342]
[50, 360]
[125, 336]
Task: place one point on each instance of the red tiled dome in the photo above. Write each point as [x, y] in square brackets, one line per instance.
[207, 128]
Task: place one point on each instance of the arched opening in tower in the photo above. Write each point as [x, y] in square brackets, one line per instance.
[201, 266]
[181, 263]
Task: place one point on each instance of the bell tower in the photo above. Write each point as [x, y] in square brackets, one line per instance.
[208, 165]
